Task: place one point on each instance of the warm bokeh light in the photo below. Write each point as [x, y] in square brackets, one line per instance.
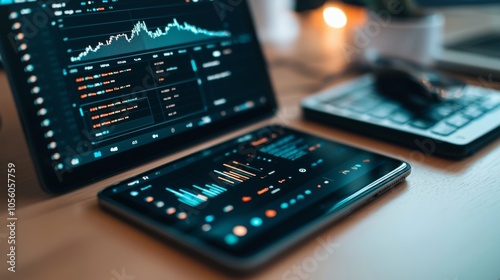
[335, 17]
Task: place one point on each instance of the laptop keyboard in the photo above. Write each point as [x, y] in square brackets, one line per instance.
[440, 119]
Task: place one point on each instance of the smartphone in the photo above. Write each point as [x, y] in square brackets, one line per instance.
[243, 202]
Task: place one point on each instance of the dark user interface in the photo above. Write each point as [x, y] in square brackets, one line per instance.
[239, 195]
[106, 76]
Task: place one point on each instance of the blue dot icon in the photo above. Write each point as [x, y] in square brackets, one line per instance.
[134, 193]
[209, 218]
[231, 239]
[256, 222]
[284, 205]
[308, 192]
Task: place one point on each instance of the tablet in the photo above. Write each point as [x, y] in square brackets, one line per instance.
[103, 86]
[241, 203]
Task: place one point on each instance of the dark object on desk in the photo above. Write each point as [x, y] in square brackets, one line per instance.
[413, 86]
[453, 129]
[407, 9]
[307, 5]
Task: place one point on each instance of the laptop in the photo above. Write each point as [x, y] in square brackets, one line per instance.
[102, 87]
[474, 48]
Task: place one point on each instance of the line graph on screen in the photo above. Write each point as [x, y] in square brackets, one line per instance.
[142, 38]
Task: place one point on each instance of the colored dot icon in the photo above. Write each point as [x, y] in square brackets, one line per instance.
[231, 239]
[228, 208]
[206, 227]
[209, 218]
[256, 222]
[160, 204]
[240, 231]
[182, 216]
[171, 211]
[270, 213]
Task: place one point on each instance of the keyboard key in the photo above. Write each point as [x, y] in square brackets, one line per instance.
[444, 129]
[383, 111]
[488, 104]
[400, 117]
[364, 105]
[469, 99]
[359, 102]
[473, 112]
[458, 120]
[422, 123]
[445, 110]
[346, 101]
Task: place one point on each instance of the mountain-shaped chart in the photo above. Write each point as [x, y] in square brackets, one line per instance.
[141, 38]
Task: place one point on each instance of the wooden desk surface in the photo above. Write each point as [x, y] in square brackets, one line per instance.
[443, 223]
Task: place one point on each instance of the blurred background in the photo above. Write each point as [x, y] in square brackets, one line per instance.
[291, 28]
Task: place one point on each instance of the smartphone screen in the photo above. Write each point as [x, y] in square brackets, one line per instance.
[245, 195]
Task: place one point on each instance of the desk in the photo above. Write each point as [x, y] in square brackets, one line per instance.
[443, 223]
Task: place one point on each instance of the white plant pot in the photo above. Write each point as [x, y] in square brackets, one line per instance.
[274, 20]
[415, 39]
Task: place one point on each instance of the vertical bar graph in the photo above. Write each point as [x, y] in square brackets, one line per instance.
[193, 198]
[232, 173]
[236, 173]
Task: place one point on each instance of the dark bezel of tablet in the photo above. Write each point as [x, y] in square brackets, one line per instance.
[106, 167]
